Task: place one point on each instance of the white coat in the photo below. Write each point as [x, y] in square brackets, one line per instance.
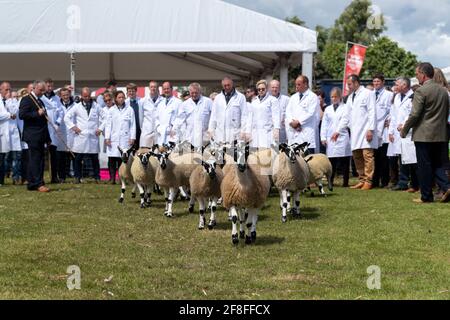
[360, 117]
[5, 116]
[87, 141]
[12, 106]
[330, 124]
[307, 112]
[227, 119]
[283, 102]
[120, 129]
[66, 133]
[149, 112]
[52, 106]
[166, 114]
[404, 110]
[193, 120]
[383, 106]
[264, 118]
[395, 148]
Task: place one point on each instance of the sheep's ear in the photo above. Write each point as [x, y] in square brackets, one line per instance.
[309, 159]
[120, 150]
[283, 147]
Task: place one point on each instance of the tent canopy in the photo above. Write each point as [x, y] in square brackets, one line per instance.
[137, 39]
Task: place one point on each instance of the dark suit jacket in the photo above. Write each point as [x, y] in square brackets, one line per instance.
[429, 114]
[35, 128]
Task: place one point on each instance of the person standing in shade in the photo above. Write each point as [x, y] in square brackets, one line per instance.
[166, 114]
[428, 120]
[120, 132]
[149, 108]
[339, 151]
[35, 133]
[360, 118]
[383, 102]
[65, 158]
[85, 120]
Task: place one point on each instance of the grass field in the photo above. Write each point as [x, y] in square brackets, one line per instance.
[325, 255]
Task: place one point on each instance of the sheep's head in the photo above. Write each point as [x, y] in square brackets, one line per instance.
[241, 153]
[144, 158]
[301, 149]
[289, 151]
[126, 154]
[210, 169]
[162, 158]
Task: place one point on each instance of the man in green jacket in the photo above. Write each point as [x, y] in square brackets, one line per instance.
[428, 120]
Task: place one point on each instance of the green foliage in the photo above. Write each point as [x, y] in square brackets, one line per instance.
[387, 57]
[296, 20]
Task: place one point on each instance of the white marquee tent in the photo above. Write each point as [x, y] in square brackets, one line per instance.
[138, 40]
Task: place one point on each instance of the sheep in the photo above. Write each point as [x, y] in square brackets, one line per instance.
[319, 166]
[243, 187]
[143, 175]
[125, 172]
[205, 184]
[291, 174]
[174, 171]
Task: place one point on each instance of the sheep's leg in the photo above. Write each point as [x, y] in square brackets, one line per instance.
[234, 219]
[320, 186]
[251, 225]
[201, 203]
[289, 196]
[166, 197]
[212, 219]
[133, 191]
[149, 196]
[142, 193]
[255, 222]
[242, 222]
[192, 205]
[122, 193]
[170, 203]
[285, 205]
[296, 210]
[183, 194]
[209, 204]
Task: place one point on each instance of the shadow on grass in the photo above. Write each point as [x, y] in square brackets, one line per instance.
[264, 241]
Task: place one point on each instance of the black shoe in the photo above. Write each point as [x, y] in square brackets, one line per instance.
[398, 188]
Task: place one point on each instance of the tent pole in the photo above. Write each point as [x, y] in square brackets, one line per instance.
[307, 66]
[72, 72]
[284, 75]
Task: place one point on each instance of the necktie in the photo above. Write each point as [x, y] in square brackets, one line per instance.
[353, 97]
[154, 99]
[135, 107]
[336, 106]
[88, 108]
[167, 101]
[4, 101]
[301, 96]
[377, 94]
[402, 97]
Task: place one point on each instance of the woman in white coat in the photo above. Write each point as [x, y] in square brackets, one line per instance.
[339, 151]
[120, 132]
[5, 116]
[264, 119]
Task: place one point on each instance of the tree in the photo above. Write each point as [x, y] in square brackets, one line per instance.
[387, 57]
[354, 24]
[296, 20]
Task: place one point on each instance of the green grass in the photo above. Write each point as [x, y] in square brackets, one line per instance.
[325, 255]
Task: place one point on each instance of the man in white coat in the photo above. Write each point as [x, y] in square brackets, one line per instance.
[120, 132]
[383, 102]
[302, 115]
[84, 119]
[227, 123]
[408, 179]
[283, 102]
[193, 117]
[148, 108]
[166, 114]
[134, 102]
[339, 151]
[264, 119]
[5, 117]
[15, 147]
[66, 102]
[360, 118]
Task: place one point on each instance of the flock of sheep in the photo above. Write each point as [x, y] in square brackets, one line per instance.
[233, 174]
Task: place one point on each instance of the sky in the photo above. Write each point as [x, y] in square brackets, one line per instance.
[419, 26]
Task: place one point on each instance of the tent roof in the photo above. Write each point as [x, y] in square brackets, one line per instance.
[176, 26]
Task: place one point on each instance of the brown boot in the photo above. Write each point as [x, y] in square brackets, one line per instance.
[367, 186]
[358, 186]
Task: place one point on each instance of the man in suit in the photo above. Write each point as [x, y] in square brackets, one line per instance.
[35, 133]
[134, 102]
[428, 120]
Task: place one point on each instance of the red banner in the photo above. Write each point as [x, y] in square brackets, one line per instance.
[354, 62]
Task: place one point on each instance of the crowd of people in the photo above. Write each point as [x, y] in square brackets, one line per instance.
[395, 138]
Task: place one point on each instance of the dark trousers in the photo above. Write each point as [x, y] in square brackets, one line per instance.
[15, 158]
[408, 176]
[25, 165]
[342, 163]
[36, 165]
[53, 164]
[61, 165]
[137, 143]
[113, 165]
[431, 157]
[394, 169]
[381, 175]
[2, 168]
[78, 164]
